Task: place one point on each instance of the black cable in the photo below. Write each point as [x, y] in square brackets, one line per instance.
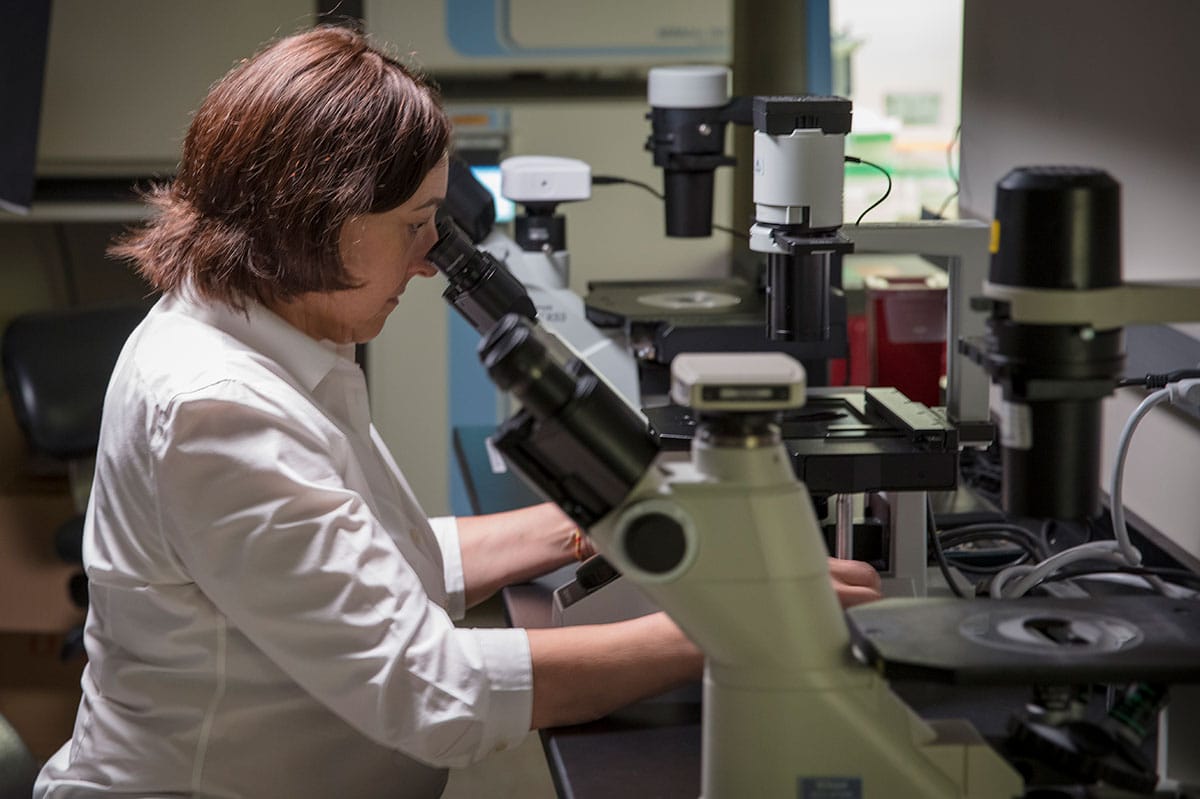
[965, 564]
[1016, 549]
[1160, 380]
[610, 180]
[1013, 534]
[731, 232]
[850, 159]
[936, 546]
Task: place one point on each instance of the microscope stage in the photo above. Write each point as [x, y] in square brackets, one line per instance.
[1032, 640]
[849, 440]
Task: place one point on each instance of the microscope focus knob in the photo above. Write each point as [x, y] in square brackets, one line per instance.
[655, 543]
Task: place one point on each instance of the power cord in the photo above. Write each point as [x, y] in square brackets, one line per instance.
[963, 550]
[1170, 575]
[1158, 380]
[612, 180]
[938, 553]
[850, 159]
[1121, 551]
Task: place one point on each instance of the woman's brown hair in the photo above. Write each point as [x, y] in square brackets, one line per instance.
[315, 129]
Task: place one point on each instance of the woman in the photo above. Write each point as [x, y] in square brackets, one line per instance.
[270, 608]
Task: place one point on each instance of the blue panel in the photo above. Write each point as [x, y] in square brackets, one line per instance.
[820, 50]
[480, 28]
[473, 27]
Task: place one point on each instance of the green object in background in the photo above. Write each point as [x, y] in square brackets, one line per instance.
[914, 108]
[873, 147]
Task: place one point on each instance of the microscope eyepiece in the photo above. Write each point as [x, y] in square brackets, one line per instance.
[481, 288]
[453, 250]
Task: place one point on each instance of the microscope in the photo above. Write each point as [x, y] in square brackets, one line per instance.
[846, 444]
[1053, 348]
[795, 695]
[726, 541]
[799, 149]
[537, 256]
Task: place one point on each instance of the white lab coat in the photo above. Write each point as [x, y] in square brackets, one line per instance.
[270, 608]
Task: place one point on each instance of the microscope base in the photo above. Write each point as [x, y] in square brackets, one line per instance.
[844, 736]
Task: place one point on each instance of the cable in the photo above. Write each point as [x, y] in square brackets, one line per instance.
[936, 546]
[1029, 576]
[1030, 542]
[850, 159]
[1118, 474]
[1028, 545]
[610, 180]
[736, 233]
[1175, 576]
[1158, 380]
[964, 563]
[1121, 550]
[950, 171]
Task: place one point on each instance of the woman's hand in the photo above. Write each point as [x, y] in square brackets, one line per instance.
[854, 581]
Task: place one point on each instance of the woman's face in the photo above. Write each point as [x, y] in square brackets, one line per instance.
[382, 252]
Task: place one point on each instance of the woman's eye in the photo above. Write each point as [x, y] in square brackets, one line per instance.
[416, 227]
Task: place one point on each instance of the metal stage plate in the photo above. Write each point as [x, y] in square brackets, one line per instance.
[663, 318]
[850, 440]
[1032, 640]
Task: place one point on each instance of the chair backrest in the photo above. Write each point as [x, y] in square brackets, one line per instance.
[18, 769]
[56, 367]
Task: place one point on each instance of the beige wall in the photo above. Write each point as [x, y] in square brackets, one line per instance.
[124, 76]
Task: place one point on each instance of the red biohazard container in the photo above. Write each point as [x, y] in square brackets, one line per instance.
[906, 334]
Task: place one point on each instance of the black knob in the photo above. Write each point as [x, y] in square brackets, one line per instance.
[655, 543]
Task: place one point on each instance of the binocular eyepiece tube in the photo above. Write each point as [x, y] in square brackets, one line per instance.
[575, 438]
[481, 288]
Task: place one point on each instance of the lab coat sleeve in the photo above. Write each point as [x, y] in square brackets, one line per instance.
[253, 502]
[445, 528]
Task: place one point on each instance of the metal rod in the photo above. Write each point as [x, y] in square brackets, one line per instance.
[844, 541]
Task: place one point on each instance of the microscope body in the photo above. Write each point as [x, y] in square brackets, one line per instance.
[726, 541]
[545, 276]
[538, 258]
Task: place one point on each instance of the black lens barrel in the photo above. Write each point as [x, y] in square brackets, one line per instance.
[575, 437]
[1055, 228]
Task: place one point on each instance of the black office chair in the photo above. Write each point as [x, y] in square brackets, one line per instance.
[18, 769]
[56, 367]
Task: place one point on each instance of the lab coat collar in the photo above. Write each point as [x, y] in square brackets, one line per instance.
[309, 361]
